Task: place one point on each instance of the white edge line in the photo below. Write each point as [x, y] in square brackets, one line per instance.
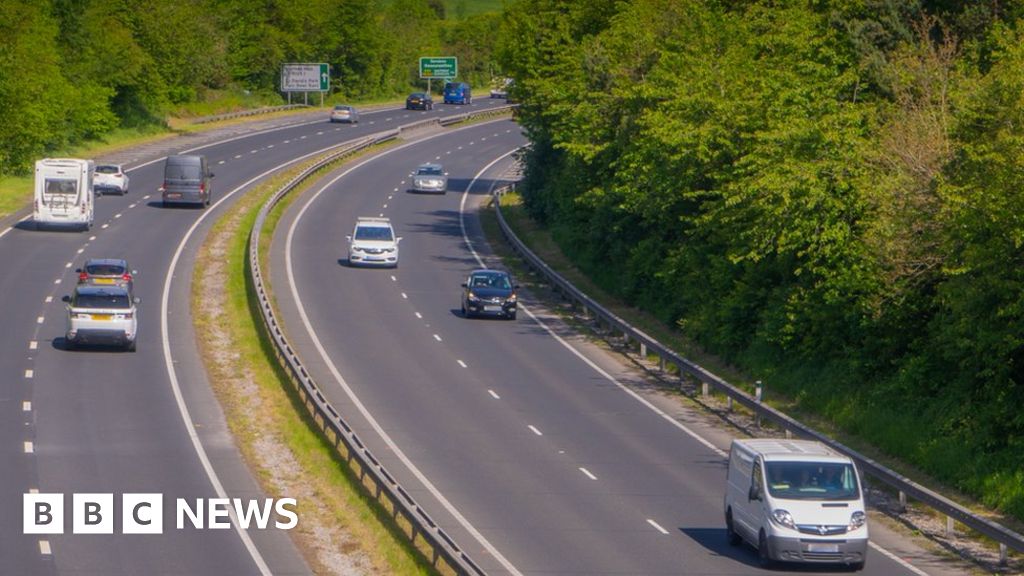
[172, 374]
[348, 390]
[609, 377]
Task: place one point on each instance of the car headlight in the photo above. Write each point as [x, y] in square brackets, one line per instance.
[857, 519]
[512, 299]
[783, 518]
[473, 298]
[388, 250]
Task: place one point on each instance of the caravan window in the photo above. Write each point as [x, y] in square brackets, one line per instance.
[61, 186]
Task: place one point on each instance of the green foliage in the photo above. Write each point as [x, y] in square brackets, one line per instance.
[826, 193]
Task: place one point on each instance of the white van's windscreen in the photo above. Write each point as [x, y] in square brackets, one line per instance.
[812, 480]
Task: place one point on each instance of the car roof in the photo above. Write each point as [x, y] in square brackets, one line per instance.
[488, 272]
[107, 261]
[789, 450]
[418, 94]
[105, 290]
[342, 107]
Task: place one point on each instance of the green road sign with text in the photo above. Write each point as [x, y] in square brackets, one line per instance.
[445, 67]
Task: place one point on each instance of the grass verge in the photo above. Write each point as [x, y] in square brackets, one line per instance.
[341, 530]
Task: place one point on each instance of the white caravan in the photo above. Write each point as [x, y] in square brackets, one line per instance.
[795, 501]
[63, 193]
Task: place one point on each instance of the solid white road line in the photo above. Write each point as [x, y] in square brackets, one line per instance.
[357, 403]
[657, 526]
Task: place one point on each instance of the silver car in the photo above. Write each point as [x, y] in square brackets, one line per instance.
[430, 178]
[101, 315]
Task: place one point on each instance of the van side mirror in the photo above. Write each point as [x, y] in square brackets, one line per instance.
[349, 238]
[66, 298]
[397, 240]
[754, 494]
[137, 299]
[464, 285]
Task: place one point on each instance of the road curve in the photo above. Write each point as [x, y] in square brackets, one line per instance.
[106, 421]
[519, 437]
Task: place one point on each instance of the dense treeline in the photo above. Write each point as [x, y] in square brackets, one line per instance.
[825, 193]
[71, 70]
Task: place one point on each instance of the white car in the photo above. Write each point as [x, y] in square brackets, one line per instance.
[101, 315]
[110, 179]
[373, 243]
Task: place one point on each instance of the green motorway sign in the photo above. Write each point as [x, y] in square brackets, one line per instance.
[444, 67]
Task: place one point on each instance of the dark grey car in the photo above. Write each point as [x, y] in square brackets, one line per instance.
[489, 292]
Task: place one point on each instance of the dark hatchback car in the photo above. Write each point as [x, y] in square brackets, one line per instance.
[419, 101]
[490, 293]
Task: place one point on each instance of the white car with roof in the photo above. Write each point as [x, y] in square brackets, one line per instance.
[101, 314]
[110, 179]
[373, 243]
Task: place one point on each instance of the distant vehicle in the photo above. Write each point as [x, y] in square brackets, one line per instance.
[795, 501]
[64, 193]
[373, 243]
[489, 292]
[101, 315]
[343, 113]
[500, 88]
[110, 179]
[430, 178]
[457, 93]
[419, 101]
[187, 180]
[107, 272]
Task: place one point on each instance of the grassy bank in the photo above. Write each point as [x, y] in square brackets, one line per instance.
[341, 530]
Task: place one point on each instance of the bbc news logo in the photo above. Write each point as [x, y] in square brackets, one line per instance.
[144, 513]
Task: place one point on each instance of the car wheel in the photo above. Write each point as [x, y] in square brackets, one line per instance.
[764, 557]
[512, 316]
[730, 533]
[69, 344]
[131, 346]
[857, 566]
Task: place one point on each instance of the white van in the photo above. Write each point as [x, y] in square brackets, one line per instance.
[795, 501]
[63, 192]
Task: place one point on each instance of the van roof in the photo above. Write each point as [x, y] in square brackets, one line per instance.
[790, 450]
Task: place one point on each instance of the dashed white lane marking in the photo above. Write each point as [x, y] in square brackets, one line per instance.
[222, 161]
[40, 320]
[460, 148]
[393, 279]
[237, 156]
[67, 264]
[44, 547]
[534, 430]
[105, 226]
[80, 250]
[136, 204]
[29, 447]
[253, 151]
[48, 299]
[385, 206]
[396, 189]
[437, 158]
[91, 238]
[436, 337]
[371, 121]
[29, 373]
[57, 281]
[448, 152]
[390, 196]
[32, 345]
[303, 137]
[657, 527]
[387, 119]
[472, 143]
[483, 138]
[494, 394]
[117, 215]
[405, 296]
[381, 214]
[270, 145]
[320, 133]
[287, 141]
[461, 363]
[420, 316]
[26, 406]
[587, 473]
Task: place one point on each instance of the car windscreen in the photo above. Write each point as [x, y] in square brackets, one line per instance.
[101, 300]
[107, 170]
[342, 108]
[61, 186]
[499, 281]
[104, 269]
[812, 480]
[379, 233]
[417, 95]
[430, 171]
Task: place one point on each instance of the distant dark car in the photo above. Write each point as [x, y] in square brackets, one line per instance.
[457, 93]
[107, 272]
[343, 113]
[489, 292]
[419, 101]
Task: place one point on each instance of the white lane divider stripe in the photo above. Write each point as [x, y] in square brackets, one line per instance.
[29, 447]
[40, 320]
[32, 344]
[340, 380]
[67, 264]
[48, 299]
[461, 363]
[494, 394]
[657, 526]
[535, 430]
[418, 315]
[29, 373]
[26, 406]
[57, 281]
[436, 337]
[587, 473]
[44, 547]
